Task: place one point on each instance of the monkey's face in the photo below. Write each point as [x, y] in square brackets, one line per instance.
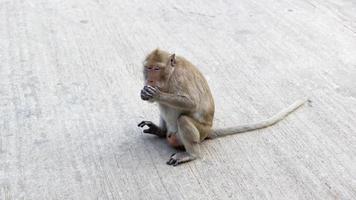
[155, 74]
[158, 67]
[152, 75]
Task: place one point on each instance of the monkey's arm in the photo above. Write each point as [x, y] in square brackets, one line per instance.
[177, 101]
[181, 102]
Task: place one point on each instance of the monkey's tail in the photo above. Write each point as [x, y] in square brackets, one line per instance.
[259, 125]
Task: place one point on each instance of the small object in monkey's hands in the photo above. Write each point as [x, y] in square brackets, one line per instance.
[149, 92]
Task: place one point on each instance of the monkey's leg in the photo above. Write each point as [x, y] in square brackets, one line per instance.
[153, 129]
[189, 136]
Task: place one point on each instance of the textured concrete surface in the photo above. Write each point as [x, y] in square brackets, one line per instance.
[70, 76]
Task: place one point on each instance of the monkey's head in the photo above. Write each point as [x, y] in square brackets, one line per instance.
[158, 67]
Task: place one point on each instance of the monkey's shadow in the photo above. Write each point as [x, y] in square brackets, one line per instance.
[160, 145]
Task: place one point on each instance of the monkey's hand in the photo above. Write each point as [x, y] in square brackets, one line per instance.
[152, 128]
[149, 93]
[144, 95]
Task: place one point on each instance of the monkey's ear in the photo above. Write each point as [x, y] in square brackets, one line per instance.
[156, 51]
[172, 60]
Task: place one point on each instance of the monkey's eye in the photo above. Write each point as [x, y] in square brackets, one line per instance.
[157, 68]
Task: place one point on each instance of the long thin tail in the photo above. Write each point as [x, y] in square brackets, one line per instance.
[263, 124]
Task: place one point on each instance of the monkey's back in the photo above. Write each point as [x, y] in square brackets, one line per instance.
[189, 81]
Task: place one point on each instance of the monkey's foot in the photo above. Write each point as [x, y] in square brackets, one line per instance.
[179, 158]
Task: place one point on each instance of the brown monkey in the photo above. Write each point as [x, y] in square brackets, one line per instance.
[186, 105]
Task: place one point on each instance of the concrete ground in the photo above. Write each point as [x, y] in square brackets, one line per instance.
[70, 76]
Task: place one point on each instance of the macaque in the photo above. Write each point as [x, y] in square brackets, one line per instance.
[186, 105]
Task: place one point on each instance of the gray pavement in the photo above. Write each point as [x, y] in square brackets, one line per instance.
[70, 76]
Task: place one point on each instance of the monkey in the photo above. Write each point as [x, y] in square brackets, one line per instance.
[187, 106]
